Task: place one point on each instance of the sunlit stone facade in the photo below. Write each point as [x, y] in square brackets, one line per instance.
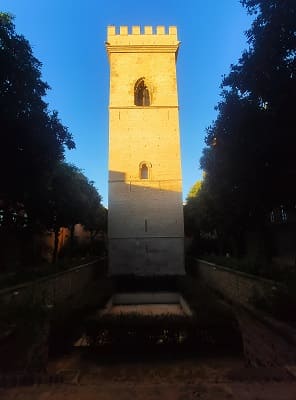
[145, 219]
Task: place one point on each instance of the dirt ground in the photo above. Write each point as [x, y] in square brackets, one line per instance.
[182, 379]
[164, 391]
[202, 375]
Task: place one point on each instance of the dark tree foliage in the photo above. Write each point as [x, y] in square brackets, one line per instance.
[71, 199]
[32, 138]
[249, 161]
[266, 77]
[38, 190]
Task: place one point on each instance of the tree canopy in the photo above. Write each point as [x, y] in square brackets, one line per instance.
[38, 191]
[71, 199]
[33, 138]
[194, 190]
[249, 159]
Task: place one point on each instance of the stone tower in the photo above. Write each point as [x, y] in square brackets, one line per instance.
[145, 186]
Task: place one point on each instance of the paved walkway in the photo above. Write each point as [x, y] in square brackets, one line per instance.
[224, 378]
[202, 391]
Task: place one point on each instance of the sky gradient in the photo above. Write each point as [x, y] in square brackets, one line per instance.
[68, 37]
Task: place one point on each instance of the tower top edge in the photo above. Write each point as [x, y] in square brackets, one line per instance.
[138, 30]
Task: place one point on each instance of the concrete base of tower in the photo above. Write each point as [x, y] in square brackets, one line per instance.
[151, 256]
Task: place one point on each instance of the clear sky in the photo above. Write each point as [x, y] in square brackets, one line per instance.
[68, 37]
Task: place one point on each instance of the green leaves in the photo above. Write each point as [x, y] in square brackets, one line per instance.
[35, 180]
[249, 158]
[33, 139]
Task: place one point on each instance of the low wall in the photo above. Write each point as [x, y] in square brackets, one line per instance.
[27, 334]
[236, 286]
[54, 289]
[267, 342]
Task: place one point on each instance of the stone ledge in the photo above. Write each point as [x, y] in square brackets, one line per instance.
[237, 272]
[47, 277]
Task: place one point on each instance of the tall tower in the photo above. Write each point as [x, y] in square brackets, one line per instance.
[145, 219]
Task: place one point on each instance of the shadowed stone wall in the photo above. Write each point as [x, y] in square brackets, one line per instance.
[54, 289]
[267, 342]
[236, 286]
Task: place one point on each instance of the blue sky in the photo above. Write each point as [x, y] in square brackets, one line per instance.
[68, 37]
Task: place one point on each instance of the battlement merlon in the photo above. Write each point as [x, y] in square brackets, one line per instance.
[132, 38]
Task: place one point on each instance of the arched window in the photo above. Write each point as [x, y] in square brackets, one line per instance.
[145, 170]
[141, 92]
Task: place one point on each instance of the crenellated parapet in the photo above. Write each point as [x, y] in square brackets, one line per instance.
[146, 38]
[138, 30]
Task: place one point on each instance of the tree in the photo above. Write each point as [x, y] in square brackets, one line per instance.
[194, 190]
[249, 158]
[95, 218]
[190, 211]
[32, 142]
[206, 218]
[71, 199]
[266, 77]
[32, 138]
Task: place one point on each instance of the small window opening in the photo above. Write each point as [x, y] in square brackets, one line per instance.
[144, 171]
[146, 226]
[142, 96]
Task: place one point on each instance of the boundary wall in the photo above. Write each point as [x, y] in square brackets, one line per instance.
[236, 286]
[267, 341]
[54, 289]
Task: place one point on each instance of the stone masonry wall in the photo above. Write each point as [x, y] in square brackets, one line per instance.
[54, 289]
[236, 286]
[145, 214]
[267, 342]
